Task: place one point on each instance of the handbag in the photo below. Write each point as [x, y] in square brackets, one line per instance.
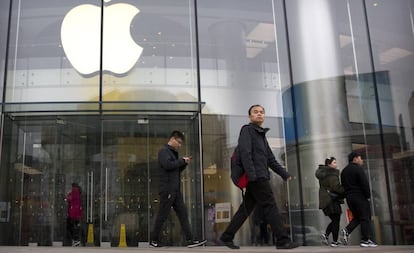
[336, 197]
[333, 195]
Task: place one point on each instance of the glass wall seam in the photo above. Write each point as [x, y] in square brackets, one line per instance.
[295, 124]
[101, 41]
[6, 59]
[200, 125]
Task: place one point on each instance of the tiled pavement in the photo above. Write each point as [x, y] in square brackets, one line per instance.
[206, 249]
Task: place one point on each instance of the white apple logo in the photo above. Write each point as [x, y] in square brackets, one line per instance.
[81, 34]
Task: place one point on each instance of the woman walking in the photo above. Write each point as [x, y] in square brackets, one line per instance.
[330, 198]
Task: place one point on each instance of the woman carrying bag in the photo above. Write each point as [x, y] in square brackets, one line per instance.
[330, 198]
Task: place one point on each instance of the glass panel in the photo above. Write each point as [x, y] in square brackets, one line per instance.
[241, 56]
[243, 61]
[334, 103]
[391, 30]
[44, 157]
[191, 184]
[40, 65]
[73, 153]
[130, 187]
[126, 163]
[118, 179]
[4, 21]
[149, 51]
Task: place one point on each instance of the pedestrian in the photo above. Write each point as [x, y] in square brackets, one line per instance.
[170, 168]
[330, 198]
[75, 211]
[358, 194]
[256, 158]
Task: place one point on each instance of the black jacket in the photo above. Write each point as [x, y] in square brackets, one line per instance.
[256, 155]
[328, 182]
[354, 181]
[170, 167]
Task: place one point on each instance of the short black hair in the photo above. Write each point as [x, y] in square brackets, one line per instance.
[251, 107]
[177, 134]
[329, 160]
[352, 155]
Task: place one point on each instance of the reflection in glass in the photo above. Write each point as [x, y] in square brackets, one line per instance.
[393, 54]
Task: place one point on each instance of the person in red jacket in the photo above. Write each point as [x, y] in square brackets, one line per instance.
[74, 199]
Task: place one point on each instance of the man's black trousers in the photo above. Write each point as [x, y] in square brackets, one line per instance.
[258, 193]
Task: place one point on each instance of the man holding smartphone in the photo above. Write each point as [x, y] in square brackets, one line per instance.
[170, 167]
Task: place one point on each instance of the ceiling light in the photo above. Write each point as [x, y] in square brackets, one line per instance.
[262, 32]
[393, 54]
[344, 40]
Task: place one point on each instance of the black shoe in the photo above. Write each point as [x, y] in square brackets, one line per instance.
[195, 243]
[156, 244]
[288, 245]
[231, 245]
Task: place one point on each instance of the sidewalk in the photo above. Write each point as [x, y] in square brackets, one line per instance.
[206, 249]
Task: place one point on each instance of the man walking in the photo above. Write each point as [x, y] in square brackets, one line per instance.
[170, 194]
[357, 193]
[256, 158]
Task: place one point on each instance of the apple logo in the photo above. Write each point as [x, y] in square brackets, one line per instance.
[81, 34]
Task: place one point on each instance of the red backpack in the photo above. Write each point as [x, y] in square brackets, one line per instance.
[237, 173]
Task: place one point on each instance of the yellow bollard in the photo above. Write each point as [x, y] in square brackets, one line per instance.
[122, 236]
[89, 242]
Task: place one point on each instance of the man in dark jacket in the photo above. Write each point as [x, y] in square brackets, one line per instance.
[170, 194]
[257, 157]
[358, 194]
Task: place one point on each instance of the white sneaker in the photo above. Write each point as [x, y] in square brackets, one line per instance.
[75, 243]
[336, 244]
[195, 243]
[368, 243]
[345, 236]
[156, 244]
[324, 239]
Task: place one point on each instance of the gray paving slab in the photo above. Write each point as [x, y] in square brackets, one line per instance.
[206, 249]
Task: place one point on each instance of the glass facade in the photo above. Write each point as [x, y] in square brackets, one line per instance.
[92, 89]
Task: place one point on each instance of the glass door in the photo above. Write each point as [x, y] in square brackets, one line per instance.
[33, 188]
[41, 157]
[114, 161]
[125, 168]
[129, 175]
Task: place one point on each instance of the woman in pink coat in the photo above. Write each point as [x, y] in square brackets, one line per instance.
[74, 200]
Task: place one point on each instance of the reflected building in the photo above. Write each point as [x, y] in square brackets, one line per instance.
[94, 106]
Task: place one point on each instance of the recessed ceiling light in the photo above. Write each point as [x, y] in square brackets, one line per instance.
[393, 54]
[262, 32]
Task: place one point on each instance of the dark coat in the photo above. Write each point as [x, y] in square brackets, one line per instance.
[170, 167]
[328, 182]
[355, 181]
[256, 154]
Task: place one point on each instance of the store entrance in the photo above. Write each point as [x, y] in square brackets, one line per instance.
[114, 161]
